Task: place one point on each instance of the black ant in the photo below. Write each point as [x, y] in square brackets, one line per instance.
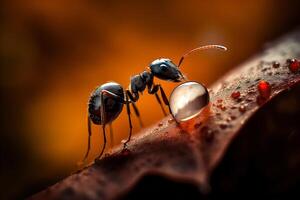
[113, 96]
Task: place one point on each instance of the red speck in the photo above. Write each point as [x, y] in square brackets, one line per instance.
[242, 108]
[235, 95]
[264, 89]
[294, 65]
[276, 64]
[219, 100]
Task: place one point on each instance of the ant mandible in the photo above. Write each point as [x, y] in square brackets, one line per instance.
[106, 101]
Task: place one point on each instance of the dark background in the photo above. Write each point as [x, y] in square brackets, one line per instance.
[53, 53]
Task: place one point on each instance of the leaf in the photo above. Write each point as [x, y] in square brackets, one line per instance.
[195, 156]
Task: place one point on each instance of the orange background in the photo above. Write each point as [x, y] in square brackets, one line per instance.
[55, 52]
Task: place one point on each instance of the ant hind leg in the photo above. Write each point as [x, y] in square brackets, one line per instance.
[111, 135]
[104, 142]
[129, 121]
[102, 114]
[89, 138]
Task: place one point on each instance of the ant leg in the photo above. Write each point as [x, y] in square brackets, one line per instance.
[154, 90]
[104, 140]
[159, 101]
[89, 139]
[111, 94]
[129, 121]
[132, 100]
[102, 114]
[133, 97]
[111, 135]
[137, 113]
[164, 97]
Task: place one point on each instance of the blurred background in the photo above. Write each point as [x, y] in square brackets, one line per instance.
[53, 53]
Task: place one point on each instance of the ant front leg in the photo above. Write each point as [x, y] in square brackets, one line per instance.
[164, 97]
[154, 91]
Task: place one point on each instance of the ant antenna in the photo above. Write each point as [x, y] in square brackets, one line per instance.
[211, 46]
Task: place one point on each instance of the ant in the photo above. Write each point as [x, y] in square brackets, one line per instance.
[106, 101]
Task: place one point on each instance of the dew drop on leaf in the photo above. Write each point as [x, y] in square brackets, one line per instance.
[187, 100]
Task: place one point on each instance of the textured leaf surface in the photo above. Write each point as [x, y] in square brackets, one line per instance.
[192, 151]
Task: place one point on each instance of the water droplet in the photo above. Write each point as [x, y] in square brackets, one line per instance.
[230, 118]
[221, 106]
[187, 100]
[249, 99]
[264, 89]
[223, 126]
[294, 65]
[242, 108]
[276, 64]
[264, 69]
[171, 120]
[235, 95]
[125, 152]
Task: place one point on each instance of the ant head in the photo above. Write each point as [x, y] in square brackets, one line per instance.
[165, 69]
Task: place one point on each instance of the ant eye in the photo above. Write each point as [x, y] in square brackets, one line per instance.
[163, 67]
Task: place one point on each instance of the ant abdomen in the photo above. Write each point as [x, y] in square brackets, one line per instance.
[112, 105]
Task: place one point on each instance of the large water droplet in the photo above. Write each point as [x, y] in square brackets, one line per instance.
[187, 100]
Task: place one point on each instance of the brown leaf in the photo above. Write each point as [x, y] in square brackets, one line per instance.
[191, 153]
